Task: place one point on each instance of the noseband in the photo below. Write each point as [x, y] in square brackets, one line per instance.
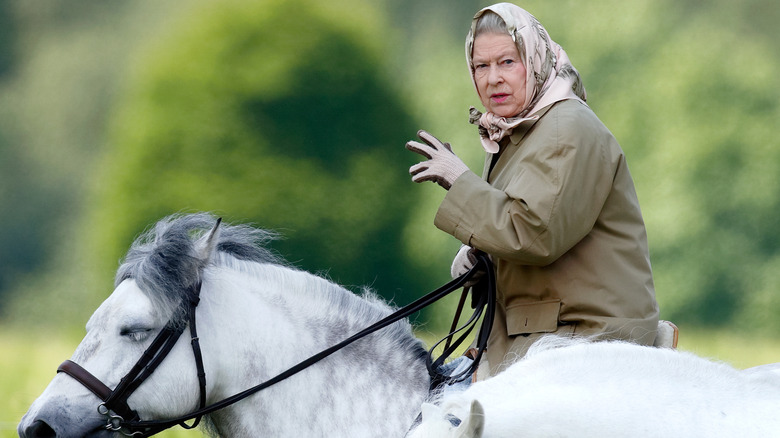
[121, 418]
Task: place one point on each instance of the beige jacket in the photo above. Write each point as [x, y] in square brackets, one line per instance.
[559, 215]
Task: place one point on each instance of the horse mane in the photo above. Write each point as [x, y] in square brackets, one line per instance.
[164, 262]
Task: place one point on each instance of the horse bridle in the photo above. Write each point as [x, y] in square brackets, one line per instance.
[121, 418]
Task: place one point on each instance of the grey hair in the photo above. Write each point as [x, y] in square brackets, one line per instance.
[165, 263]
[490, 22]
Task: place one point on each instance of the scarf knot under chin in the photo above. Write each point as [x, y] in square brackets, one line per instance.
[493, 128]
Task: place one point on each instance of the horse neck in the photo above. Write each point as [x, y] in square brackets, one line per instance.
[371, 388]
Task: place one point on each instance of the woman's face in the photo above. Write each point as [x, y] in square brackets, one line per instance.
[499, 74]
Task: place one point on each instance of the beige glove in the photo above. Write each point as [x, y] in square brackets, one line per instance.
[443, 166]
[464, 260]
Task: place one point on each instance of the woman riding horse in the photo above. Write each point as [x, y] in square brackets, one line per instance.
[556, 207]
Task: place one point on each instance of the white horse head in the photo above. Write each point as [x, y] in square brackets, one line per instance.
[256, 318]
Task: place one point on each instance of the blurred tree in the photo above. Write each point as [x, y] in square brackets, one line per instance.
[7, 38]
[686, 86]
[66, 59]
[277, 114]
[22, 197]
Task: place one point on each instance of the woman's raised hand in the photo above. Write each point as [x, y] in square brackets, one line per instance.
[443, 166]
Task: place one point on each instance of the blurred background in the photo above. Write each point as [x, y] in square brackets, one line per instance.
[292, 115]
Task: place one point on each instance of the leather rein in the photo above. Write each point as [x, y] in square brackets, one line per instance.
[121, 418]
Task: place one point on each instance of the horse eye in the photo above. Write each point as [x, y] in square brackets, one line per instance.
[135, 333]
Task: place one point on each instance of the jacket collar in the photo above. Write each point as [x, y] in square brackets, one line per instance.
[512, 141]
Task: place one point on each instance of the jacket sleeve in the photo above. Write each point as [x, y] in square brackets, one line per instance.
[561, 177]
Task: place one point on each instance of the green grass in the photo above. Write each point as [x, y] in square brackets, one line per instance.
[28, 361]
[739, 350]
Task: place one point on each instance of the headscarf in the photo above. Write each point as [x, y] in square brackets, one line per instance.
[550, 75]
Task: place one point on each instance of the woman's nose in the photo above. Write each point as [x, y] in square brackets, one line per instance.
[494, 75]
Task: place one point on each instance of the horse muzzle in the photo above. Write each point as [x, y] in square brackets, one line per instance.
[51, 421]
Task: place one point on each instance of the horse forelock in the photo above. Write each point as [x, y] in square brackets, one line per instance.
[165, 264]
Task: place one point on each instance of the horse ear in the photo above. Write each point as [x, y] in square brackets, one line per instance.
[207, 245]
[472, 426]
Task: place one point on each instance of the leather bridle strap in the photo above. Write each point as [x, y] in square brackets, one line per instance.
[116, 401]
[85, 378]
[195, 343]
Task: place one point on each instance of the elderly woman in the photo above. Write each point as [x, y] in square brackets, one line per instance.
[556, 207]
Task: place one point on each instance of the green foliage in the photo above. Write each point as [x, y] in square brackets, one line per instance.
[217, 112]
[277, 114]
[7, 39]
[687, 90]
[708, 168]
[22, 195]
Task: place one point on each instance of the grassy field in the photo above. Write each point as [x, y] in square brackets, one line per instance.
[28, 361]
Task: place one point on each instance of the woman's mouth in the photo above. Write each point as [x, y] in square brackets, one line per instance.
[499, 97]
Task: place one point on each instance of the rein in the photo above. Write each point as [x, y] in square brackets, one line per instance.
[123, 419]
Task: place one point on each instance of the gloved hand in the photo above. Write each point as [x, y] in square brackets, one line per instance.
[463, 262]
[442, 167]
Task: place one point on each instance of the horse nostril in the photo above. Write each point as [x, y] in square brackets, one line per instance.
[39, 429]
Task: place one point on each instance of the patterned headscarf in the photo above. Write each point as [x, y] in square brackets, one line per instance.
[550, 75]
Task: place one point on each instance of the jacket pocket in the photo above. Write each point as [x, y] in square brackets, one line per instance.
[536, 317]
